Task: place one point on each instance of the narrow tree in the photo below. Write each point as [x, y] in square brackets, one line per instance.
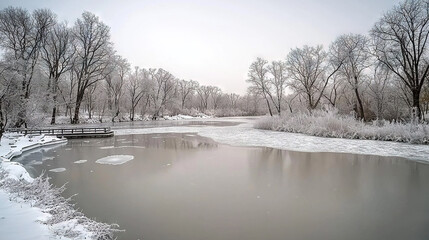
[135, 90]
[259, 81]
[277, 69]
[115, 81]
[353, 51]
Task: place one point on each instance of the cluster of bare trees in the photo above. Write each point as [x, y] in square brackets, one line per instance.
[49, 69]
[382, 75]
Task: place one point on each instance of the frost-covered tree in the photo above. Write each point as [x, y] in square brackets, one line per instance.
[258, 78]
[9, 91]
[93, 53]
[400, 43]
[57, 56]
[204, 95]
[278, 81]
[115, 80]
[310, 70]
[163, 86]
[216, 95]
[22, 35]
[135, 89]
[186, 90]
[352, 50]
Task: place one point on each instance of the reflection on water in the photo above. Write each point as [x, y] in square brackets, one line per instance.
[181, 186]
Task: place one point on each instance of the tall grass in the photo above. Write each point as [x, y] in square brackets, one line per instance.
[331, 124]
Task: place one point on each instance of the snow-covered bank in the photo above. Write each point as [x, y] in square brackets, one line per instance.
[331, 124]
[246, 135]
[34, 204]
[61, 120]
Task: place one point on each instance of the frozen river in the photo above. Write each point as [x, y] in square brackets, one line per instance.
[191, 181]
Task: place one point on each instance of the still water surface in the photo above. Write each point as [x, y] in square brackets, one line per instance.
[182, 186]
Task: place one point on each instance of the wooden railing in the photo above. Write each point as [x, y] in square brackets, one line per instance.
[61, 131]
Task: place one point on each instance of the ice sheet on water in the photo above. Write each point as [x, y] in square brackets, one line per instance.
[57, 170]
[80, 161]
[115, 159]
[246, 135]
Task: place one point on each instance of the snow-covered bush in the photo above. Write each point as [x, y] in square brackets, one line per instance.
[331, 124]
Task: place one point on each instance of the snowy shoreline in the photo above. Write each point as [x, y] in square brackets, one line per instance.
[34, 204]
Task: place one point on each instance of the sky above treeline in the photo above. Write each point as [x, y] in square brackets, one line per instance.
[214, 42]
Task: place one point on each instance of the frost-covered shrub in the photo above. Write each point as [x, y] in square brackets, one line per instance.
[64, 220]
[331, 124]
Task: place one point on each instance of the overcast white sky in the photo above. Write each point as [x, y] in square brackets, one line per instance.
[214, 42]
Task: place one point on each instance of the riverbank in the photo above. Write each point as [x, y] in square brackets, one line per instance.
[34, 204]
[330, 124]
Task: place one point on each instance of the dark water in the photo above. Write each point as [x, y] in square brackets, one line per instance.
[184, 187]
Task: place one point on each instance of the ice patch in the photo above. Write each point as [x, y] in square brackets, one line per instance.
[112, 147]
[80, 161]
[48, 158]
[131, 147]
[57, 170]
[107, 147]
[115, 159]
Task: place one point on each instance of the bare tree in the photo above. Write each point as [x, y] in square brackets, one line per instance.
[310, 71]
[278, 81]
[379, 83]
[8, 91]
[186, 90]
[93, 51]
[400, 39]
[22, 34]
[57, 55]
[115, 81]
[135, 90]
[259, 81]
[204, 94]
[233, 99]
[216, 94]
[162, 91]
[353, 51]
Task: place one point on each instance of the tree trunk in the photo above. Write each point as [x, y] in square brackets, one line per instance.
[416, 103]
[79, 98]
[360, 107]
[2, 124]
[269, 107]
[54, 109]
[54, 113]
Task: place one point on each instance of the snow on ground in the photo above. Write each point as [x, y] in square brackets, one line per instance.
[245, 135]
[115, 159]
[182, 117]
[21, 221]
[27, 203]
